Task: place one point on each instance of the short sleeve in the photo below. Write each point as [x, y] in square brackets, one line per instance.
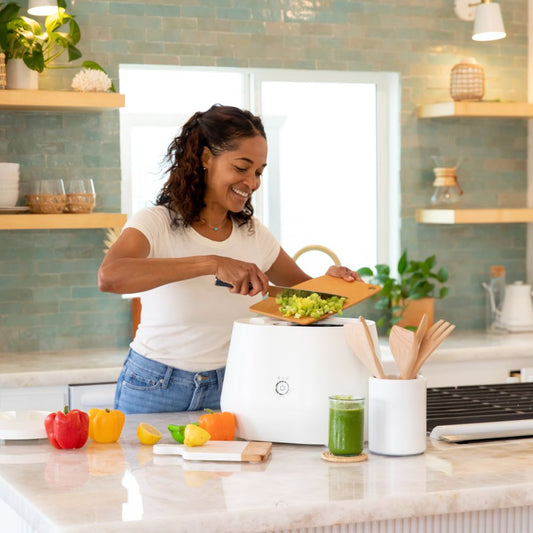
[151, 222]
[269, 245]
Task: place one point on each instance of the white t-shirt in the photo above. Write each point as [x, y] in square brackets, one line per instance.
[187, 324]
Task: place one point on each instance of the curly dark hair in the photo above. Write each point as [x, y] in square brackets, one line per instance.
[220, 129]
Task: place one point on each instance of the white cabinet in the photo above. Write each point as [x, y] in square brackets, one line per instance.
[52, 398]
[86, 396]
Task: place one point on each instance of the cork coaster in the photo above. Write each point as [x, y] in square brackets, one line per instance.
[328, 456]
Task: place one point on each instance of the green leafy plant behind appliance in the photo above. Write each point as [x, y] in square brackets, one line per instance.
[415, 280]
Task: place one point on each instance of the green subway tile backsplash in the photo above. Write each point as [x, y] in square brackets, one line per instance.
[48, 293]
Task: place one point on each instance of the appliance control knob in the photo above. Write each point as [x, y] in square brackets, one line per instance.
[282, 387]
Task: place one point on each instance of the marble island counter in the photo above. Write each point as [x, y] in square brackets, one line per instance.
[483, 487]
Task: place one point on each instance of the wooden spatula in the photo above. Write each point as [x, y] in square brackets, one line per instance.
[375, 359]
[419, 336]
[402, 342]
[358, 343]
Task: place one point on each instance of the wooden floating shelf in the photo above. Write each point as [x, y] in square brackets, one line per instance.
[62, 221]
[474, 216]
[37, 100]
[476, 109]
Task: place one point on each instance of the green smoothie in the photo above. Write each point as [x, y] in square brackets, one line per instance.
[346, 425]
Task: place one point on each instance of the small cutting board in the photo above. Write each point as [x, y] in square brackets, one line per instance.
[219, 450]
[354, 291]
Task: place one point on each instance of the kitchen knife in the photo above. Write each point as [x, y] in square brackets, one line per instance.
[275, 290]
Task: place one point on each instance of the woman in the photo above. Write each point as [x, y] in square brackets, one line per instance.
[201, 228]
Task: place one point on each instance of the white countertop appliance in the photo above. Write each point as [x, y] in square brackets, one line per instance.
[279, 376]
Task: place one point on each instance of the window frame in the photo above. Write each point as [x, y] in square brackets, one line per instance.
[388, 95]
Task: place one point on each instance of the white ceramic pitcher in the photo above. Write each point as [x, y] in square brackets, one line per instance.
[517, 309]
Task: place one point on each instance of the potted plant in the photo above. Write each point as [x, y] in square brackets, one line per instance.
[24, 41]
[403, 299]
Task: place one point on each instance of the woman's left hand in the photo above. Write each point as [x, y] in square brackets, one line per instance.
[343, 272]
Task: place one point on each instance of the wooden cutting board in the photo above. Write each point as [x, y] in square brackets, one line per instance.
[354, 291]
[219, 450]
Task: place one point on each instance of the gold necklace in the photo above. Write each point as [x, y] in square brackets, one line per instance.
[214, 228]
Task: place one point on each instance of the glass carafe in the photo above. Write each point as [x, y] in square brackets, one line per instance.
[495, 295]
[447, 189]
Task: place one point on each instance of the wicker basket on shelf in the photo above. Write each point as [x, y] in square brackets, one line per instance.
[467, 81]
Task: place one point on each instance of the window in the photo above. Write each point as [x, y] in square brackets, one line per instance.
[333, 138]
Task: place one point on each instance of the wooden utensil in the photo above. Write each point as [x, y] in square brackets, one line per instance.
[219, 450]
[431, 341]
[358, 343]
[423, 345]
[402, 342]
[419, 336]
[375, 359]
[354, 291]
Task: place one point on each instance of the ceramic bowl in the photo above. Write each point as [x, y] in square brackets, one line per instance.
[9, 198]
[5, 182]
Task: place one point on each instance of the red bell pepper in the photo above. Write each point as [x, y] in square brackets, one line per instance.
[67, 429]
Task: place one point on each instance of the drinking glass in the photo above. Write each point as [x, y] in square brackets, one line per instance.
[55, 187]
[346, 425]
[81, 197]
[79, 186]
[47, 196]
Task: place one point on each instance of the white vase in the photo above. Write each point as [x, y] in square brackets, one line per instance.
[19, 76]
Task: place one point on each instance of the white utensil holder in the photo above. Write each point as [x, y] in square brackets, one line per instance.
[397, 416]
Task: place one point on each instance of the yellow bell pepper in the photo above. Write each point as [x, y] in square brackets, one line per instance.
[105, 425]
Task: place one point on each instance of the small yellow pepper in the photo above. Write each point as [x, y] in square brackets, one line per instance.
[105, 425]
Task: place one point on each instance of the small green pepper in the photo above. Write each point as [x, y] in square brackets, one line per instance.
[178, 432]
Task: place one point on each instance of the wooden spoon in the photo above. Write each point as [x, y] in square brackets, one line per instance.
[402, 342]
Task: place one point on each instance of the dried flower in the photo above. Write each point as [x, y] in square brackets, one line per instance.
[91, 80]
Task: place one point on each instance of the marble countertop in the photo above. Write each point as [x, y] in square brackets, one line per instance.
[479, 345]
[124, 487]
[31, 369]
[100, 366]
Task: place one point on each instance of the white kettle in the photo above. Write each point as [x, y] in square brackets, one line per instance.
[517, 309]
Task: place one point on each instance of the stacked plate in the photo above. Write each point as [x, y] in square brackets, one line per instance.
[9, 184]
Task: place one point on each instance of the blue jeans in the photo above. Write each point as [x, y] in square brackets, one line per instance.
[146, 386]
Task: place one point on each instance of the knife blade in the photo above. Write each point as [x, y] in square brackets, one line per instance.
[276, 290]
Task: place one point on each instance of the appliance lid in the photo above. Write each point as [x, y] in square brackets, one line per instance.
[480, 412]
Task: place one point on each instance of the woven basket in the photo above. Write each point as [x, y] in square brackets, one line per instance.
[80, 202]
[467, 81]
[46, 203]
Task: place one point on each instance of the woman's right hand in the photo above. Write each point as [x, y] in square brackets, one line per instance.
[242, 276]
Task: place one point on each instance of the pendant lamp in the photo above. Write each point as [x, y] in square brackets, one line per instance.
[487, 17]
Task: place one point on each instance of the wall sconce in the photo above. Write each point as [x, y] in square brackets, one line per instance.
[42, 7]
[487, 17]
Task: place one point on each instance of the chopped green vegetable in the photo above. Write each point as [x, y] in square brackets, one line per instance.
[312, 306]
